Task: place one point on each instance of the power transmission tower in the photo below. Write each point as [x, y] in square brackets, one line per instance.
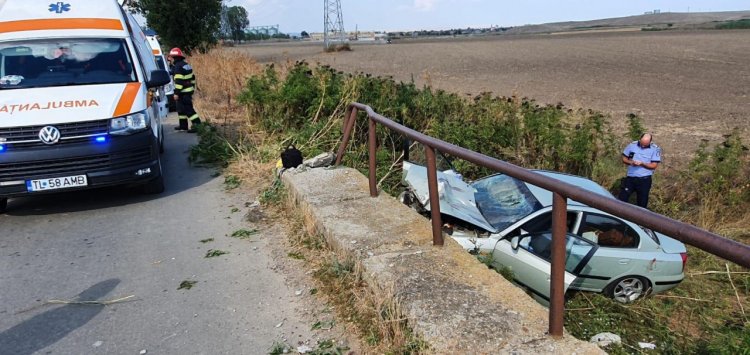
[333, 24]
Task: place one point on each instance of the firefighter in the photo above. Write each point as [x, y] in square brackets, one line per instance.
[184, 87]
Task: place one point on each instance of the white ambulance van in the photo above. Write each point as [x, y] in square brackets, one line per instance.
[162, 63]
[77, 80]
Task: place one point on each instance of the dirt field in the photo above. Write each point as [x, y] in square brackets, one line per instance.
[687, 86]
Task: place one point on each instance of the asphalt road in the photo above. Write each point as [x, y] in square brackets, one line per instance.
[113, 243]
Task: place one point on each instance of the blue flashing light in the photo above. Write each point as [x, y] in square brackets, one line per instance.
[2, 148]
[101, 139]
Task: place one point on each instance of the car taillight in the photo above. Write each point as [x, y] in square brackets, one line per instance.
[684, 260]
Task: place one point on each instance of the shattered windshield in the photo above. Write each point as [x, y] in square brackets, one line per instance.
[503, 200]
[56, 62]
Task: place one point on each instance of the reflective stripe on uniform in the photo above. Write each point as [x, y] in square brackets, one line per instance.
[194, 117]
[187, 90]
[183, 76]
[182, 117]
[178, 86]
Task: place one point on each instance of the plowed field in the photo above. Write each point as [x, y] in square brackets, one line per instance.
[687, 86]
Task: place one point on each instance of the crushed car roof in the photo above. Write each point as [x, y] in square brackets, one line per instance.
[545, 197]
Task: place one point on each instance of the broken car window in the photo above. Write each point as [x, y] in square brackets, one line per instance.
[503, 200]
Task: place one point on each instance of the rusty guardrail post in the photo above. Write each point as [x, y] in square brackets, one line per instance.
[373, 151]
[437, 224]
[351, 118]
[557, 282]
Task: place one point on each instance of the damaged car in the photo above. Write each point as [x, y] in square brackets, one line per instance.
[512, 221]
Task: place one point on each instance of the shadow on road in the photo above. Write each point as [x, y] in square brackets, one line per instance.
[49, 327]
[179, 176]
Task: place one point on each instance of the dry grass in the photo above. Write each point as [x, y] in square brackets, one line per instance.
[373, 314]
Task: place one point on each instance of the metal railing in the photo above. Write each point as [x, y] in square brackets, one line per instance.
[707, 241]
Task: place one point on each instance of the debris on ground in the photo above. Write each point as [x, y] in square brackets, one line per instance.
[255, 213]
[98, 343]
[187, 285]
[244, 233]
[304, 349]
[321, 160]
[647, 345]
[606, 339]
[211, 253]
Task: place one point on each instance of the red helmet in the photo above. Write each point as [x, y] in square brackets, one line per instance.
[176, 52]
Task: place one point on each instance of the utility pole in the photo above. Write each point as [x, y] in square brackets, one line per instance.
[333, 24]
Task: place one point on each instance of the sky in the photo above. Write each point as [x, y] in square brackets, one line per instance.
[294, 16]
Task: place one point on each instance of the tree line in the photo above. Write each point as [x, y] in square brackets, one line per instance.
[193, 24]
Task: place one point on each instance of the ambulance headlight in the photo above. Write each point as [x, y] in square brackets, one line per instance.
[129, 124]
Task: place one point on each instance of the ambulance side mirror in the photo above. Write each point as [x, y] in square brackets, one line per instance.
[158, 78]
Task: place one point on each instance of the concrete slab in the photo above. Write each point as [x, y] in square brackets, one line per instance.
[454, 302]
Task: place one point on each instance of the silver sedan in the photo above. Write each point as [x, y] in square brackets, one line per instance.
[511, 220]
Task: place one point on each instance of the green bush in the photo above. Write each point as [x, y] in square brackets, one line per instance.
[309, 104]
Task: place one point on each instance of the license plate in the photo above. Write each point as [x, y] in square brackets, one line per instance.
[56, 183]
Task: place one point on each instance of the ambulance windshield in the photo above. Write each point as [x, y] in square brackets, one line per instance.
[56, 62]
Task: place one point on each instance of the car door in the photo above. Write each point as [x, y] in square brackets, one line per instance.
[618, 253]
[161, 93]
[530, 259]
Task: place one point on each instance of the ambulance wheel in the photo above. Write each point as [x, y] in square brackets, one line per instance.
[155, 186]
[3, 205]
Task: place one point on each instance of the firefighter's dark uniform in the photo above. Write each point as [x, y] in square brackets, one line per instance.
[184, 87]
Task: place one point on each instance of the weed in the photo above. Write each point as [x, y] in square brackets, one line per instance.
[212, 253]
[207, 240]
[504, 271]
[313, 291]
[234, 210]
[328, 347]
[187, 285]
[296, 255]
[212, 148]
[273, 193]
[323, 325]
[232, 182]
[244, 233]
[278, 349]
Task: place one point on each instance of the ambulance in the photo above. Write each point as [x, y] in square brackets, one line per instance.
[77, 82]
[169, 104]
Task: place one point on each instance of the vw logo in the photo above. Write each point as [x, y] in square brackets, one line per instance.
[49, 135]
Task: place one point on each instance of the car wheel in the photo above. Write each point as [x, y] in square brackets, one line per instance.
[3, 205]
[628, 289]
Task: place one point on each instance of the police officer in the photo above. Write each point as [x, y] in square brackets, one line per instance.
[642, 157]
[184, 85]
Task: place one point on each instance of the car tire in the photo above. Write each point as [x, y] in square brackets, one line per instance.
[3, 205]
[628, 289]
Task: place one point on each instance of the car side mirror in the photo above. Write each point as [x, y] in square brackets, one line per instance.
[514, 242]
[158, 78]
